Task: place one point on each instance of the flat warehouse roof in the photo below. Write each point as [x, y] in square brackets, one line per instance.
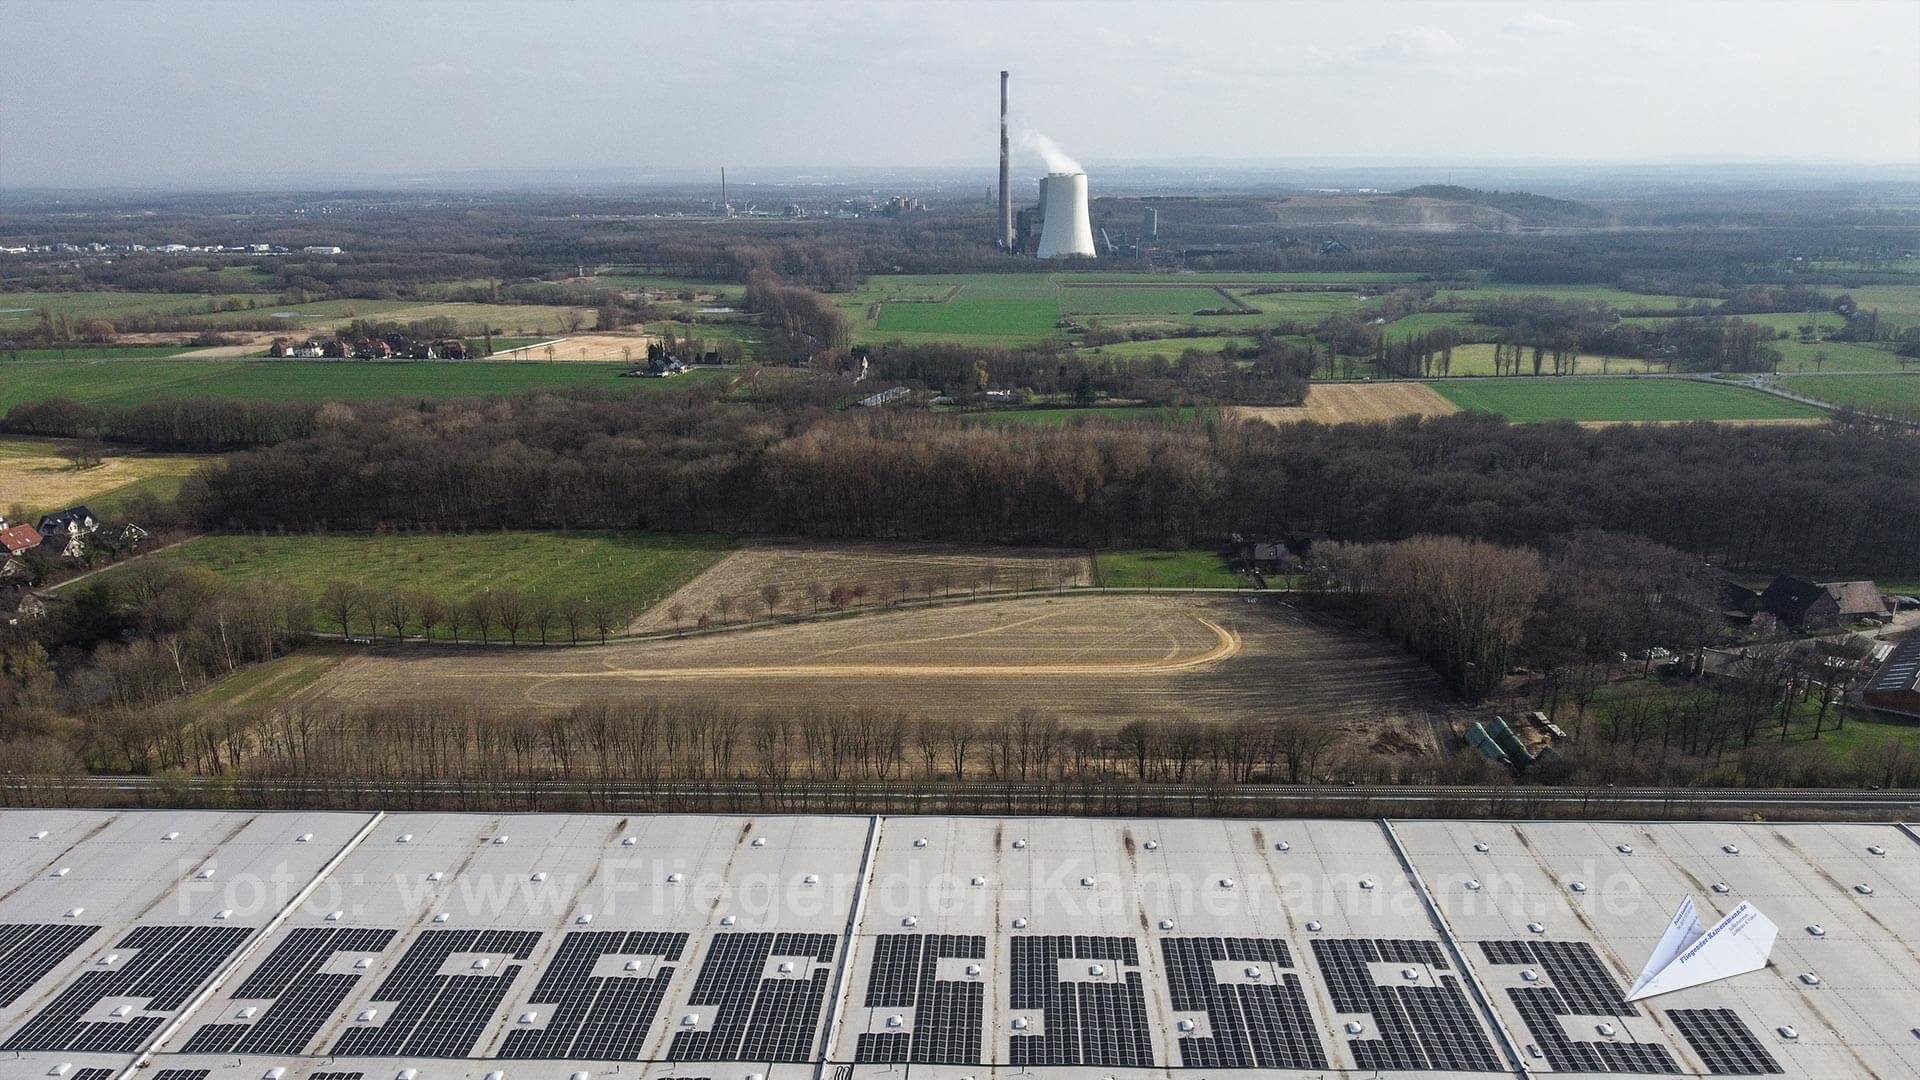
[209, 946]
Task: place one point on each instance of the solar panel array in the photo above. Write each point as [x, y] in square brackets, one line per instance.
[599, 1017]
[29, 950]
[1724, 1042]
[1901, 671]
[95, 1074]
[437, 1014]
[168, 964]
[1253, 1024]
[1581, 986]
[1085, 1023]
[202, 1074]
[1420, 1026]
[948, 1014]
[303, 996]
[758, 1018]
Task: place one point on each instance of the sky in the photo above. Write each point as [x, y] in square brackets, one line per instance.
[126, 93]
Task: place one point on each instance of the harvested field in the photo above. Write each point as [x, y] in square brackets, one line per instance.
[873, 571]
[587, 347]
[1095, 661]
[35, 474]
[1340, 403]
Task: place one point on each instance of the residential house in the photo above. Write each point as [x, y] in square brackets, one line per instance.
[1798, 602]
[77, 520]
[1858, 600]
[21, 605]
[19, 539]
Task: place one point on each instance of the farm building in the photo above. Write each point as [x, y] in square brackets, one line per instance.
[1895, 688]
[1858, 600]
[547, 947]
[1799, 602]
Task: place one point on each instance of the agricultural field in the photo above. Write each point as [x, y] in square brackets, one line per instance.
[36, 476]
[1094, 660]
[633, 570]
[1619, 299]
[1623, 400]
[20, 310]
[110, 382]
[1840, 356]
[1898, 305]
[260, 687]
[623, 348]
[1153, 569]
[524, 320]
[1343, 403]
[92, 352]
[971, 318]
[1217, 278]
[1139, 300]
[1477, 359]
[803, 573]
[1873, 393]
[1173, 348]
[1426, 322]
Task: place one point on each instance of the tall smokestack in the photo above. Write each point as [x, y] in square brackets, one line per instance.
[1006, 190]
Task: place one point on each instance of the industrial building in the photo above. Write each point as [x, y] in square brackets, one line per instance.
[167, 945]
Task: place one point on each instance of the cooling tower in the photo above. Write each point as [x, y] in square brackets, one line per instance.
[1064, 230]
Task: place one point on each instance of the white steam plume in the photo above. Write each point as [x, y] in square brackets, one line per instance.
[1058, 161]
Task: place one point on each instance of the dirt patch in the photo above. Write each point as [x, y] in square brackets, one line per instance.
[1340, 403]
[586, 347]
[803, 575]
[1095, 661]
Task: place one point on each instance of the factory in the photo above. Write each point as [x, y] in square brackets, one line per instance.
[1056, 227]
[173, 945]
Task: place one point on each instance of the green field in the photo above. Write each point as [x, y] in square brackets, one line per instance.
[1606, 294]
[633, 569]
[1841, 356]
[20, 310]
[115, 382]
[1528, 400]
[1426, 322]
[1897, 304]
[971, 318]
[93, 352]
[1873, 393]
[1477, 359]
[1139, 300]
[1150, 568]
[1171, 348]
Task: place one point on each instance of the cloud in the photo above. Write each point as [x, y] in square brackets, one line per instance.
[1534, 22]
[1421, 43]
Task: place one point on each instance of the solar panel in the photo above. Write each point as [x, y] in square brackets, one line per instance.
[336, 1076]
[202, 1074]
[95, 1074]
[440, 1015]
[168, 964]
[29, 950]
[1263, 1024]
[1087, 1023]
[599, 1018]
[756, 1018]
[1723, 1042]
[303, 996]
[948, 1014]
[1420, 1027]
[1581, 985]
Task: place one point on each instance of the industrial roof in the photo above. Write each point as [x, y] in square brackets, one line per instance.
[1901, 672]
[298, 946]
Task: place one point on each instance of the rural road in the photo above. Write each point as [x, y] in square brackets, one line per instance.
[1378, 800]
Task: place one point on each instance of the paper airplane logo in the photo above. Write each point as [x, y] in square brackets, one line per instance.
[1690, 954]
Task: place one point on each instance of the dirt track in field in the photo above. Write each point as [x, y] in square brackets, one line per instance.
[879, 570]
[1094, 660]
[1340, 403]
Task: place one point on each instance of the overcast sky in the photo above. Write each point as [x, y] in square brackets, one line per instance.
[129, 93]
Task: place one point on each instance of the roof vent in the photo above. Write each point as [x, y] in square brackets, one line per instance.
[1355, 1027]
[60, 1069]
[1817, 930]
[74, 913]
[39, 835]
[496, 1075]
[810, 879]
[1606, 1030]
[690, 1020]
[631, 841]
[1366, 883]
[1086, 882]
[62, 872]
[529, 1017]
[1863, 889]
[1252, 972]
[481, 964]
[1624, 849]
[973, 969]
[1722, 887]
[1481, 847]
[673, 878]
[920, 841]
[759, 841]
[1731, 849]
[363, 963]
[1020, 923]
[437, 875]
[1410, 974]
[223, 914]
[110, 959]
[1020, 843]
[786, 967]
[123, 1011]
[1282, 845]
[1536, 928]
[1314, 926]
[895, 1020]
[1020, 1023]
[1166, 924]
[334, 916]
[582, 920]
[1578, 886]
[978, 880]
[1185, 1025]
[407, 1074]
[1153, 845]
[1226, 883]
[404, 838]
[911, 920]
[1529, 975]
[501, 839]
[205, 874]
[1876, 849]
[1810, 978]
[1472, 885]
[438, 916]
[1096, 969]
[1787, 1032]
[539, 875]
[171, 836]
[277, 1072]
[304, 838]
[367, 1016]
[729, 920]
[247, 1013]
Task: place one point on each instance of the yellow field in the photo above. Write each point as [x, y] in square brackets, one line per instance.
[37, 478]
[1340, 403]
[585, 347]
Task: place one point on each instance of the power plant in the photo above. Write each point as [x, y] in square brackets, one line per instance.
[1064, 228]
[1060, 221]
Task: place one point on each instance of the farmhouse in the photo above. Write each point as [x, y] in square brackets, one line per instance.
[1895, 688]
[19, 539]
[1799, 602]
[1858, 600]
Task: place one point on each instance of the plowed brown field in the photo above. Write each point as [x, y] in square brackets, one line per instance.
[1088, 660]
[1339, 403]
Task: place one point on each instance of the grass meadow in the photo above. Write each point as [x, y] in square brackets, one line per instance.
[1528, 400]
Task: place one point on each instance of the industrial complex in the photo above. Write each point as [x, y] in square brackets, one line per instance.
[337, 946]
